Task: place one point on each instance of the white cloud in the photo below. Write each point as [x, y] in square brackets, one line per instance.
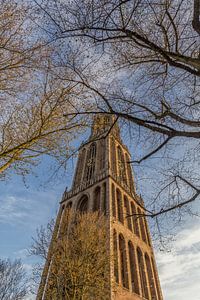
[20, 209]
[179, 269]
[10, 209]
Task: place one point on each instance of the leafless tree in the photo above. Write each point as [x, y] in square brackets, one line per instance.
[13, 282]
[79, 256]
[32, 100]
[139, 60]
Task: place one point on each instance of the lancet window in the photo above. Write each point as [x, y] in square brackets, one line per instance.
[104, 198]
[130, 174]
[156, 278]
[113, 156]
[147, 232]
[135, 220]
[97, 199]
[113, 202]
[83, 204]
[120, 207]
[123, 261]
[90, 163]
[115, 256]
[142, 276]
[133, 270]
[142, 226]
[121, 166]
[128, 218]
[150, 278]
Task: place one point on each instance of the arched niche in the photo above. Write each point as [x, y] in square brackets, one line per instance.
[90, 162]
[83, 204]
[133, 269]
[123, 261]
[96, 199]
[142, 275]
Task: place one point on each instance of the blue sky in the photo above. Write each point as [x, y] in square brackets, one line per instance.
[24, 207]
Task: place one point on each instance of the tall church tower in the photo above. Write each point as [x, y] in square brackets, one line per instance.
[104, 182]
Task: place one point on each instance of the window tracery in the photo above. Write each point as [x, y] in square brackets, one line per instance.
[83, 204]
[142, 275]
[133, 270]
[123, 261]
[121, 166]
[90, 162]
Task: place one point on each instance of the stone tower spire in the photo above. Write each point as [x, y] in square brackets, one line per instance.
[104, 182]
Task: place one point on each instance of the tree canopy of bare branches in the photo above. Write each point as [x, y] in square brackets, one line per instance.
[139, 60]
[13, 282]
[32, 101]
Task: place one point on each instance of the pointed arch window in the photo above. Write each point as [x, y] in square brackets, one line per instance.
[69, 205]
[123, 261]
[90, 163]
[115, 250]
[113, 156]
[120, 207]
[150, 277]
[104, 198]
[130, 173]
[135, 220]
[97, 199]
[142, 226]
[83, 204]
[133, 269]
[156, 279]
[147, 231]
[121, 166]
[142, 275]
[113, 202]
[128, 218]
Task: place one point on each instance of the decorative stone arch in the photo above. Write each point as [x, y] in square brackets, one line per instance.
[68, 205]
[114, 213]
[120, 206]
[127, 216]
[83, 204]
[121, 165]
[123, 261]
[97, 198]
[90, 162]
[115, 255]
[135, 219]
[104, 202]
[142, 275]
[129, 173]
[133, 269]
[150, 277]
[156, 278]
[142, 225]
[113, 156]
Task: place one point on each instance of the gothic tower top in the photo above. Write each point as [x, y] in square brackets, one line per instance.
[104, 124]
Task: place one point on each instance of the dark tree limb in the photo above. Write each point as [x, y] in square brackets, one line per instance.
[196, 14]
[151, 153]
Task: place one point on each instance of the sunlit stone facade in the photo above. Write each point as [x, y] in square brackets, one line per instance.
[104, 182]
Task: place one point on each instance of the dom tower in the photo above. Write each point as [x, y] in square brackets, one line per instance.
[104, 182]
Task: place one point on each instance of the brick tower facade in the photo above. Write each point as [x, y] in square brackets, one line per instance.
[104, 182]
